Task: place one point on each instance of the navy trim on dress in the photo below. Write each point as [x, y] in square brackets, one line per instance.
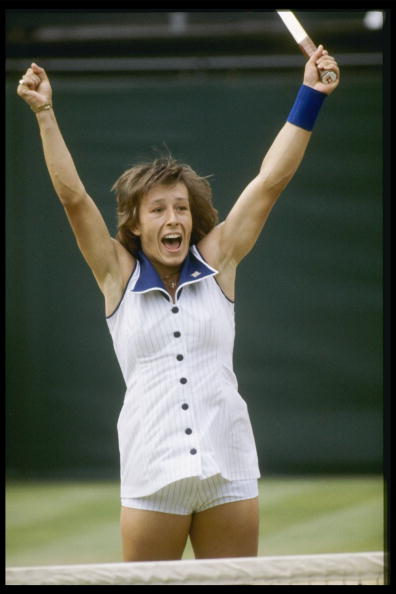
[193, 270]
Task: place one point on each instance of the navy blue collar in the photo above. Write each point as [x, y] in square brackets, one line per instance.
[194, 270]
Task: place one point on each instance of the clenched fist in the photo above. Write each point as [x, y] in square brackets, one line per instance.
[34, 88]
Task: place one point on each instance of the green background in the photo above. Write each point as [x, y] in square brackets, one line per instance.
[66, 522]
[308, 354]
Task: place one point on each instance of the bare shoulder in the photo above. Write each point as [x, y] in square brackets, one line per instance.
[126, 259]
[211, 249]
[210, 245]
[114, 286]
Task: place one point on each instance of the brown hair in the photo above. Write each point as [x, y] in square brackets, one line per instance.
[134, 183]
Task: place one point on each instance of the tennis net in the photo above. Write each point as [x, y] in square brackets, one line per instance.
[332, 569]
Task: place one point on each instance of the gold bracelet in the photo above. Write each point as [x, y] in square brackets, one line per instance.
[42, 107]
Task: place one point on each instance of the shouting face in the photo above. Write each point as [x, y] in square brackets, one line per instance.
[165, 225]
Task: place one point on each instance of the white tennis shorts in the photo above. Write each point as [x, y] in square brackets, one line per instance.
[192, 495]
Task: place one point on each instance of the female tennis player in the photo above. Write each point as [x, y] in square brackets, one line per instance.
[187, 453]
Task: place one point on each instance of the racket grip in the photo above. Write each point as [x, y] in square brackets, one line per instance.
[308, 47]
[328, 76]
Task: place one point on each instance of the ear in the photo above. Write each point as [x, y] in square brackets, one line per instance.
[136, 230]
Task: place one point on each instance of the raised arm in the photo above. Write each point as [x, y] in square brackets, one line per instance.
[231, 241]
[104, 255]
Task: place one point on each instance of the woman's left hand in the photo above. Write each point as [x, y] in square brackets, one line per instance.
[319, 62]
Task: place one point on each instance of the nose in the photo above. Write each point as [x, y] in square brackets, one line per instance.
[171, 216]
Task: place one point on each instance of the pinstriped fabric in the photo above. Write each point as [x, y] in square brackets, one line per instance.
[194, 495]
[182, 414]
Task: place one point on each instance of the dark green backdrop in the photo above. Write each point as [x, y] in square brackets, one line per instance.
[309, 299]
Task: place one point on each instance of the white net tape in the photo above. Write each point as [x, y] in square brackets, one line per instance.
[332, 569]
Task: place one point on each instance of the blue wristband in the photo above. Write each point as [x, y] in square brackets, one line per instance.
[306, 107]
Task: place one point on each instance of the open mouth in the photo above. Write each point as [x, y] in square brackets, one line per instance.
[172, 241]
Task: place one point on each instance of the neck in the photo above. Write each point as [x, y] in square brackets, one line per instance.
[170, 275]
[170, 279]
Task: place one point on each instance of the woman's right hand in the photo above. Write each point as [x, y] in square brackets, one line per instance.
[34, 87]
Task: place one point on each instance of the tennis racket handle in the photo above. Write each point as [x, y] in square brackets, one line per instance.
[308, 47]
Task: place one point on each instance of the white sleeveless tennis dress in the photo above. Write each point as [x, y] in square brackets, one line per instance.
[182, 415]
